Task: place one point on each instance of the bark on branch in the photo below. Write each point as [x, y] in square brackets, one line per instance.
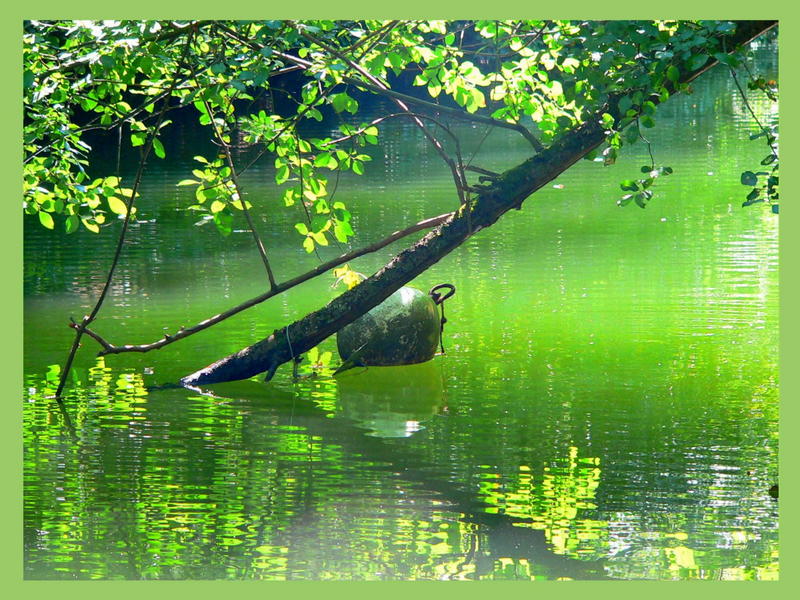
[507, 192]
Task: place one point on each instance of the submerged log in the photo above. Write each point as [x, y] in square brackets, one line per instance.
[506, 192]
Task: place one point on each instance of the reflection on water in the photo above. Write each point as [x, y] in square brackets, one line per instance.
[391, 401]
[607, 407]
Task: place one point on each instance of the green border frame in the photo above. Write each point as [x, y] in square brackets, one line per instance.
[11, 304]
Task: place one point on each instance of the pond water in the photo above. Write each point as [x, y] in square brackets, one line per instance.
[607, 407]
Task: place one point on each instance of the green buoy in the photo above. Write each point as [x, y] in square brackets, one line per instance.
[404, 329]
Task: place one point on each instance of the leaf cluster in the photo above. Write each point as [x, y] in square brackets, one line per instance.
[549, 75]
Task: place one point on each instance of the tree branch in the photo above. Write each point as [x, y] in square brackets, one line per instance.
[455, 113]
[458, 176]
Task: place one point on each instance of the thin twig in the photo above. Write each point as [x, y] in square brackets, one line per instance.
[375, 38]
[235, 179]
[750, 108]
[184, 332]
[80, 328]
[454, 167]
[302, 186]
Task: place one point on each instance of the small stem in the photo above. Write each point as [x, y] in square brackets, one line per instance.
[235, 180]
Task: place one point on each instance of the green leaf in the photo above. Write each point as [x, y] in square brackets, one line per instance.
[325, 159]
[624, 104]
[237, 204]
[629, 185]
[46, 219]
[358, 167]
[281, 174]
[90, 225]
[289, 196]
[647, 121]
[158, 148]
[217, 206]
[117, 206]
[727, 59]
[71, 224]
[673, 74]
[396, 61]
[749, 178]
[753, 197]
[188, 182]
[697, 61]
[320, 222]
[339, 232]
[138, 139]
[308, 244]
[341, 102]
[625, 200]
[301, 228]
[224, 222]
[320, 238]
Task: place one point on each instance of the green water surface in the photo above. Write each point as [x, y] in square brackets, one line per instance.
[607, 406]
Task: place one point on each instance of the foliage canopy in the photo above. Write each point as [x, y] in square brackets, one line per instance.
[539, 78]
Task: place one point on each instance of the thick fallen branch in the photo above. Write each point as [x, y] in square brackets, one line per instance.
[184, 332]
[507, 192]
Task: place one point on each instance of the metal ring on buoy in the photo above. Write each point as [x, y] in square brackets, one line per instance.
[439, 298]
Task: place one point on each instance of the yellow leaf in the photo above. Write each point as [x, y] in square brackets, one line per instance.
[116, 205]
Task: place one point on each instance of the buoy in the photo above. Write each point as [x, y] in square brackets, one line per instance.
[404, 329]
